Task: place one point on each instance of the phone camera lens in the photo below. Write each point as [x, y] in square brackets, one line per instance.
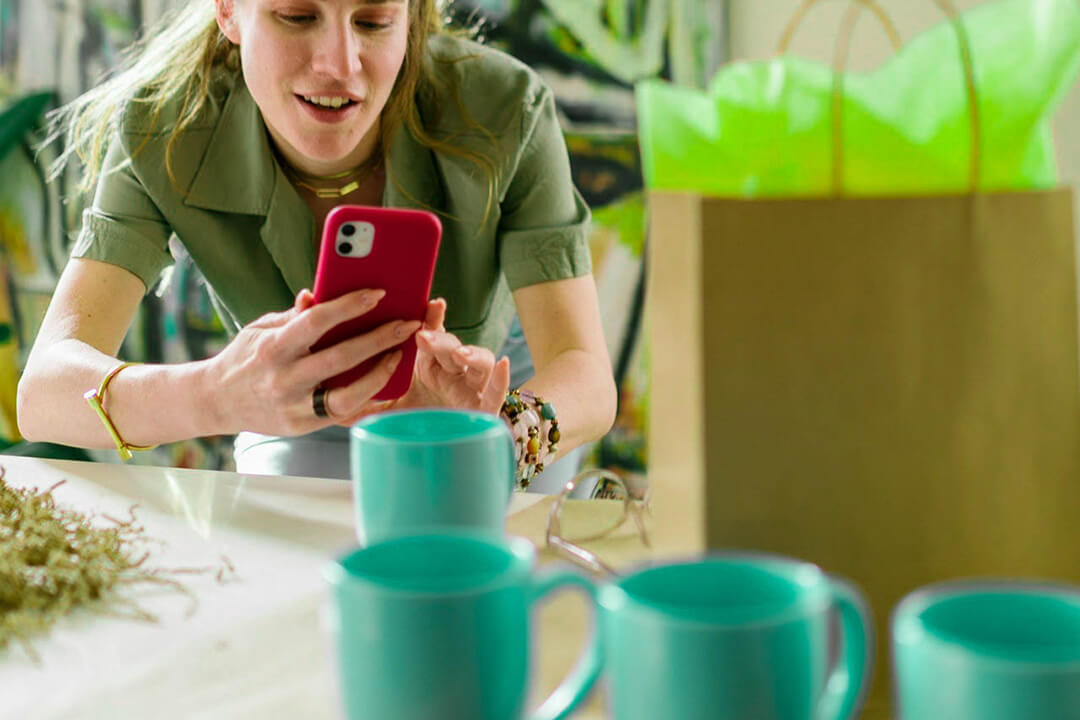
[348, 229]
[344, 248]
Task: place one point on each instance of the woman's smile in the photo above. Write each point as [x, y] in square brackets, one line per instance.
[330, 109]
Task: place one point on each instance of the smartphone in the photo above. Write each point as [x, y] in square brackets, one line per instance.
[392, 249]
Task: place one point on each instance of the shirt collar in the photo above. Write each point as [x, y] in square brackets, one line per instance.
[413, 180]
[238, 170]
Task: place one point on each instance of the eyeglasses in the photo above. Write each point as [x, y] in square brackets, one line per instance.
[586, 522]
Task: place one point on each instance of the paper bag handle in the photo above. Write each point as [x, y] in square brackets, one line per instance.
[840, 65]
[797, 20]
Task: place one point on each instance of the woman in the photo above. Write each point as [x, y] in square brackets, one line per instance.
[237, 128]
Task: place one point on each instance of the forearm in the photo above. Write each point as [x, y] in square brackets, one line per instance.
[148, 404]
[581, 388]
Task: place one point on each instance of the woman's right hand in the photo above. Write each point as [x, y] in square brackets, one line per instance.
[266, 375]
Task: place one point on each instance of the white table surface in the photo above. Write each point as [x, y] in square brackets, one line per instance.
[250, 647]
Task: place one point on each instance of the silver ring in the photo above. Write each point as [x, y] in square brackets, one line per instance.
[318, 402]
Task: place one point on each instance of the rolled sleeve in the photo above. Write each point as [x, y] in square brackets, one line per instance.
[546, 254]
[543, 230]
[123, 227]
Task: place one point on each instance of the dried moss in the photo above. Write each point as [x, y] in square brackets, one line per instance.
[54, 560]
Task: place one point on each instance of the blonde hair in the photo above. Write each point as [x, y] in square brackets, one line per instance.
[177, 60]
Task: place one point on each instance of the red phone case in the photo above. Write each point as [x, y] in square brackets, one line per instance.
[404, 245]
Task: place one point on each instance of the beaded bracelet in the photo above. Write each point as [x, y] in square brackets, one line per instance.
[527, 413]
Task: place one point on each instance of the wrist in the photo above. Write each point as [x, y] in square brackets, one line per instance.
[210, 410]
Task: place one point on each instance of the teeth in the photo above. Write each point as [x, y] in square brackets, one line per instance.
[330, 102]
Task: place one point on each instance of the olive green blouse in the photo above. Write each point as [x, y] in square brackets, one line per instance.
[251, 234]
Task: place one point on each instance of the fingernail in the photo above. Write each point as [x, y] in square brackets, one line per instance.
[405, 329]
[393, 358]
[464, 352]
[427, 335]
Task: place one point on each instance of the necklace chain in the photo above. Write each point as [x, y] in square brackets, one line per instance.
[360, 174]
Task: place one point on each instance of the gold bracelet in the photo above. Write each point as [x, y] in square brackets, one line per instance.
[96, 398]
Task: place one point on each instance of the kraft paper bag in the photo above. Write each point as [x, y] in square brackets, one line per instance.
[887, 387]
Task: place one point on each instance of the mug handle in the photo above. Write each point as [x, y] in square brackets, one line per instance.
[573, 690]
[850, 678]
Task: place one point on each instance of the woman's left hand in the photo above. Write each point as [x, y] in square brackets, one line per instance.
[448, 373]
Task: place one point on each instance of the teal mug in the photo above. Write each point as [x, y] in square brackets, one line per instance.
[438, 626]
[987, 650]
[422, 471]
[735, 636]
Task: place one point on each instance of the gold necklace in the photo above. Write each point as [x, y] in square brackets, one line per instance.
[364, 171]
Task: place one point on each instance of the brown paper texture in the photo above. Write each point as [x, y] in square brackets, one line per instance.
[885, 387]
